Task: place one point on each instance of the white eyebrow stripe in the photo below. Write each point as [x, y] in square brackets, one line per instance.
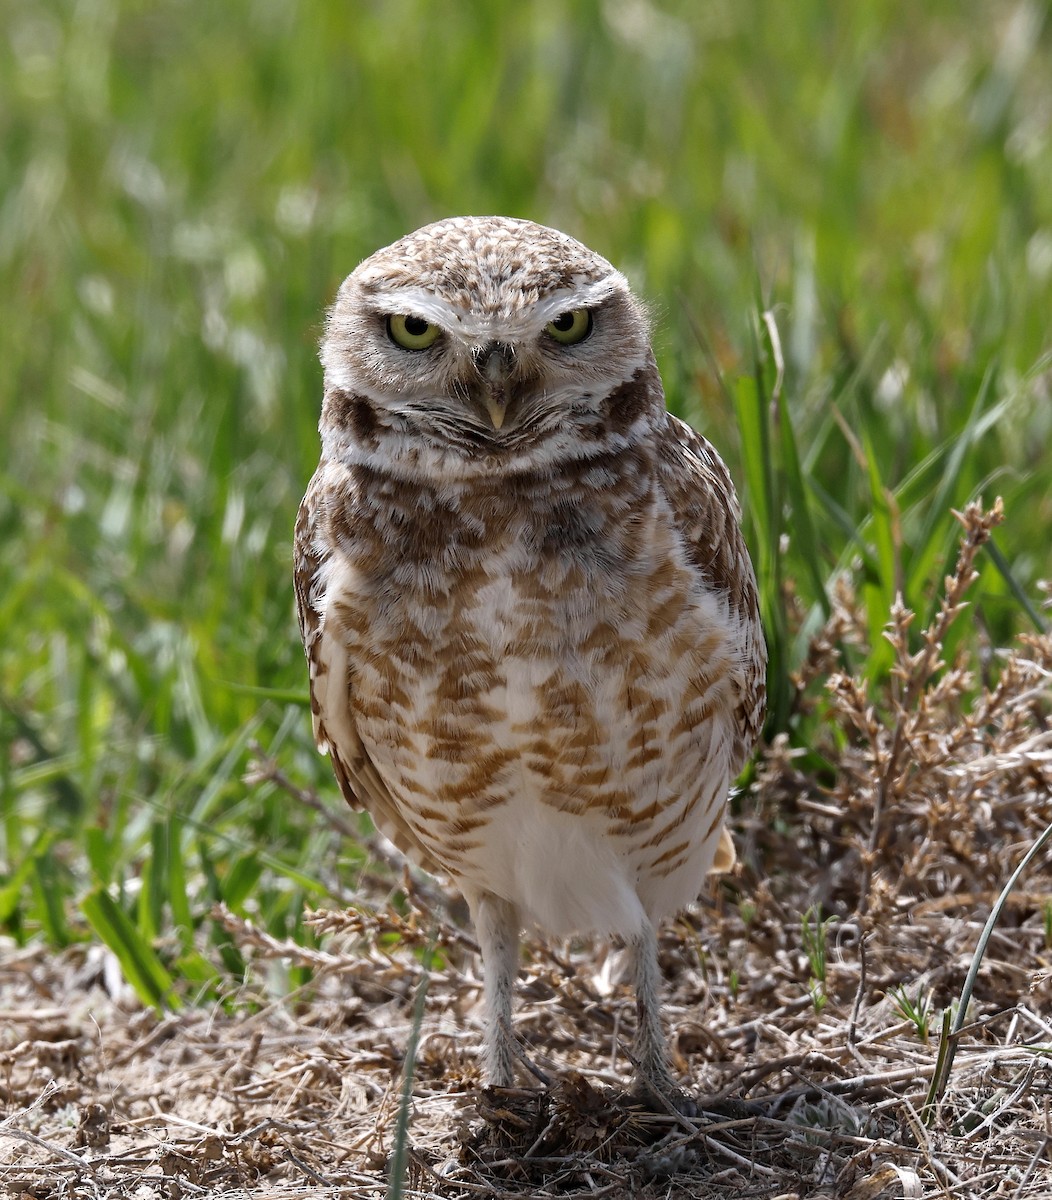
[478, 326]
[416, 302]
[587, 296]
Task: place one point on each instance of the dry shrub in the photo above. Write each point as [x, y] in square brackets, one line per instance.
[918, 795]
[942, 784]
[941, 779]
[873, 853]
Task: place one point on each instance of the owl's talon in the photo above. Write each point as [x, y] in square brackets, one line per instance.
[672, 1100]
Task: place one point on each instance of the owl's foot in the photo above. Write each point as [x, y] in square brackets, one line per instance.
[654, 1085]
[500, 1052]
[665, 1096]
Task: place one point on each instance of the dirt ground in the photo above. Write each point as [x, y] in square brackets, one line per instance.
[301, 1098]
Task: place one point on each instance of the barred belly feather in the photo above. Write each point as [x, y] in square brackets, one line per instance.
[563, 744]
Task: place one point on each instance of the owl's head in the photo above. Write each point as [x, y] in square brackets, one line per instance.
[486, 339]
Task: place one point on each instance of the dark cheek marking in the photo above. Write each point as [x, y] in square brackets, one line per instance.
[628, 403]
[355, 413]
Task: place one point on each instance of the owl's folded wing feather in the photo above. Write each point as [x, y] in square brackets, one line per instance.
[699, 489]
[332, 694]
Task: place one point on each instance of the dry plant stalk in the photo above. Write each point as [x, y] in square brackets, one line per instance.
[940, 781]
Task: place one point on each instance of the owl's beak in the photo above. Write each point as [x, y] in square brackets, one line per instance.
[494, 362]
[497, 408]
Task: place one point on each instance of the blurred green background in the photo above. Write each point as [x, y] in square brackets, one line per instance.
[182, 188]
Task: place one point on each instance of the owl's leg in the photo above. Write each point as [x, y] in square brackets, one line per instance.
[650, 1048]
[497, 926]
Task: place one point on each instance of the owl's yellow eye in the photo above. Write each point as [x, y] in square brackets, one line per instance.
[412, 333]
[569, 328]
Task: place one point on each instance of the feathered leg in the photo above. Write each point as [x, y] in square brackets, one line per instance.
[650, 1048]
[497, 927]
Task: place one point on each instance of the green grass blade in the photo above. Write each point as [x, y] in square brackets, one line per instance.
[297, 696]
[980, 951]
[140, 964]
[178, 899]
[880, 590]
[195, 968]
[49, 894]
[400, 1151]
[241, 880]
[752, 424]
[926, 543]
[753, 421]
[807, 548]
[100, 851]
[1021, 598]
[11, 894]
[153, 891]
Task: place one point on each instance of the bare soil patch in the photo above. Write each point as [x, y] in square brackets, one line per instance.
[302, 1096]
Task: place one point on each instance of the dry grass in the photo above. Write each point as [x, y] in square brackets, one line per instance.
[813, 997]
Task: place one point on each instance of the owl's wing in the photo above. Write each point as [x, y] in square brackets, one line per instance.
[698, 487]
[331, 692]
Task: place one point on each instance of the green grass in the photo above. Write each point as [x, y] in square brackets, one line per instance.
[182, 188]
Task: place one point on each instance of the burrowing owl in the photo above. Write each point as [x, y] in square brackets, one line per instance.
[529, 613]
